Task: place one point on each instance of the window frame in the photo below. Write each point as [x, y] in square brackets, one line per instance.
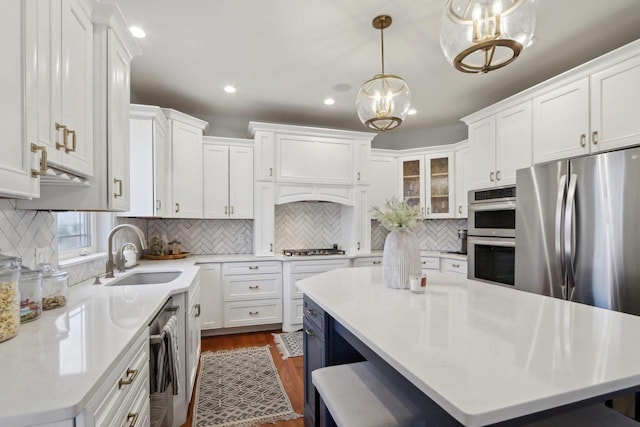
[85, 250]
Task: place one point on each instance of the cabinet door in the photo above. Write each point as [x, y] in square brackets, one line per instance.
[412, 175]
[363, 221]
[314, 358]
[513, 142]
[439, 173]
[15, 153]
[462, 186]
[160, 174]
[615, 102]
[211, 296]
[241, 182]
[363, 156]
[186, 170]
[561, 122]
[482, 148]
[264, 221]
[193, 338]
[118, 90]
[216, 181]
[264, 156]
[76, 59]
[383, 179]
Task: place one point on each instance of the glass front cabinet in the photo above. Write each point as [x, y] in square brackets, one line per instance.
[427, 181]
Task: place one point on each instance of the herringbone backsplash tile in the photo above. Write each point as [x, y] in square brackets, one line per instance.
[210, 237]
[304, 225]
[437, 235]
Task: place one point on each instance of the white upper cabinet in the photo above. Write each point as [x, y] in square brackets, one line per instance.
[383, 177]
[264, 221]
[363, 161]
[615, 102]
[148, 151]
[228, 178]
[18, 102]
[499, 144]
[65, 84]
[185, 164]
[264, 156]
[561, 122]
[427, 182]
[463, 168]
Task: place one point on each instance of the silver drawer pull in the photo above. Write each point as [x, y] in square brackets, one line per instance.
[254, 287]
[310, 311]
[253, 313]
[455, 265]
[131, 376]
[133, 418]
[309, 332]
[199, 309]
[253, 267]
[376, 262]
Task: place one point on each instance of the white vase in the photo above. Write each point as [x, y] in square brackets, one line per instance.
[400, 258]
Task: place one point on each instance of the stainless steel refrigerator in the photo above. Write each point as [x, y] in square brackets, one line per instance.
[578, 230]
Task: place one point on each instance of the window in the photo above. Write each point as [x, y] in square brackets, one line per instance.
[76, 234]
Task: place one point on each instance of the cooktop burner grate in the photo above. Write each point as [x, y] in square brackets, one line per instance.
[311, 252]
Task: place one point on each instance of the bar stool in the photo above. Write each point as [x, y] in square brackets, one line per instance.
[358, 395]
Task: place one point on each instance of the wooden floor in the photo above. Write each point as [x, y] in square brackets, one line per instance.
[290, 370]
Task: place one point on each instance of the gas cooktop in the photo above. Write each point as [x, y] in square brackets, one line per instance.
[310, 252]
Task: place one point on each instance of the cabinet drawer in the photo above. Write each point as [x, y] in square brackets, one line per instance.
[430, 263]
[135, 410]
[318, 266]
[367, 261]
[314, 314]
[132, 375]
[454, 266]
[254, 267]
[259, 312]
[245, 287]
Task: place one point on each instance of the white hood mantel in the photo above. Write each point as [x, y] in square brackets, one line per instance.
[289, 192]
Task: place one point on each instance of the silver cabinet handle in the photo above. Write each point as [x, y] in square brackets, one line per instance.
[310, 311]
[270, 171]
[198, 309]
[309, 332]
[253, 313]
[43, 160]
[231, 210]
[583, 140]
[358, 176]
[270, 247]
[358, 245]
[253, 267]
[254, 287]
[498, 176]
[422, 211]
[119, 183]
[377, 262]
[226, 210]
[594, 137]
[177, 207]
[460, 209]
[428, 211]
[491, 176]
[158, 205]
[455, 265]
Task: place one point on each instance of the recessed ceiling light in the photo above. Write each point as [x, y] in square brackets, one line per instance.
[329, 101]
[229, 89]
[412, 111]
[137, 32]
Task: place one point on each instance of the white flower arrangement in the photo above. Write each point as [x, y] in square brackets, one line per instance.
[398, 214]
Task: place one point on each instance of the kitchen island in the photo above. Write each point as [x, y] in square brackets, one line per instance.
[485, 354]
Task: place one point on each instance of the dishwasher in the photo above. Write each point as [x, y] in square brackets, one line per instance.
[161, 394]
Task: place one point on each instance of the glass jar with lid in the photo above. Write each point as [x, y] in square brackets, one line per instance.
[54, 287]
[30, 294]
[9, 297]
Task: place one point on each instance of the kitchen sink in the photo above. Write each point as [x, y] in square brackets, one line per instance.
[146, 278]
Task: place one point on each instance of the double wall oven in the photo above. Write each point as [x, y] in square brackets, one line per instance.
[491, 242]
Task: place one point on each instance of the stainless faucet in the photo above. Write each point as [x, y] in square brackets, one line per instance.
[143, 244]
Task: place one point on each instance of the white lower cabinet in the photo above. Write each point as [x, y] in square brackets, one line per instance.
[193, 346]
[368, 261]
[454, 266]
[292, 297]
[430, 263]
[211, 296]
[125, 393]
[252, 293]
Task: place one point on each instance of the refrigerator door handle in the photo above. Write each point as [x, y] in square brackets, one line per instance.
[559, 247]
[568, 234]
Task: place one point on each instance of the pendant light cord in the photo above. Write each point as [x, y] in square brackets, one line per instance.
[382, 46]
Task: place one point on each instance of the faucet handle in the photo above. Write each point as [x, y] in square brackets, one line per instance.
[119, 262]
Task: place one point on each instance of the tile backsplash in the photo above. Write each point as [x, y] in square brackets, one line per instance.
[304, 225]
[437, 235]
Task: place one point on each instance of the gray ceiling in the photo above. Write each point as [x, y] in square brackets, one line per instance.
[286, 56]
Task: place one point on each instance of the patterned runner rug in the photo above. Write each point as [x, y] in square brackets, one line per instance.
[240, 388]
[289, 344]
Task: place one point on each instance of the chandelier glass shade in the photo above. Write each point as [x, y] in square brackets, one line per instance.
[383, 102]
[478, 36]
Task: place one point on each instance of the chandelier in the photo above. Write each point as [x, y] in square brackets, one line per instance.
[479, 36]
[383, 102]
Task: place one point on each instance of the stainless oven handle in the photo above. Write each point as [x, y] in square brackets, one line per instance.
[500, 206]
[568, 235]
[505, 242]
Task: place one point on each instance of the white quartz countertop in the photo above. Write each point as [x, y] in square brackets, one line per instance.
[205, 259]
[485, 353]
[49, 371]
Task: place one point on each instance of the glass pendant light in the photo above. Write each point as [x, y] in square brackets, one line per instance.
[479, 36]
[383, 102]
